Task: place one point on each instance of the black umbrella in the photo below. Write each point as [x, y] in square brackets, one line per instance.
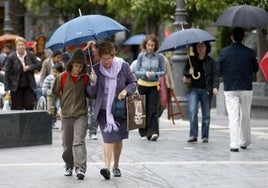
[243, 16]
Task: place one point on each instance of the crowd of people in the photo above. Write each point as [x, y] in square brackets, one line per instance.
[82, 90]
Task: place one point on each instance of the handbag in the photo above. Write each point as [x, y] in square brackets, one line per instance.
[136, 111]
[119, 109]
[187, 81]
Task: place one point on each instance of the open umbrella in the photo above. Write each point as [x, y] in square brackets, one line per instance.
[264, 65]
[8, 37]
[243, 16]
[183, 38]
[82, 29]
[135, 39]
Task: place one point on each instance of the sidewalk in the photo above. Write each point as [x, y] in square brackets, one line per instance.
[168, 162]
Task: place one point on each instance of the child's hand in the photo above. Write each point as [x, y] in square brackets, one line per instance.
[93, 77]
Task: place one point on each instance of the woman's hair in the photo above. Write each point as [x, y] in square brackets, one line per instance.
[106, 47]
[21, 39]
[153, 38]
[208, 50]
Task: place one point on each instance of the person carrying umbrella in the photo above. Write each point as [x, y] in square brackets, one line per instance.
[204, 85]
[237, 63]
[111, 79]
[71, 87]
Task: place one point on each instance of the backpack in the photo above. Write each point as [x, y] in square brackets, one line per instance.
[64, 76]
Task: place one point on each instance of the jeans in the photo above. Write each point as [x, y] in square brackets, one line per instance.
[204, 97]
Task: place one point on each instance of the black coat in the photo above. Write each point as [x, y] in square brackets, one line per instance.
[13, 67]
[237, 63]
[210, 72]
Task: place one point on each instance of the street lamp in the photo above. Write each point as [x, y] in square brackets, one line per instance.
[7, 21]
[180, 58]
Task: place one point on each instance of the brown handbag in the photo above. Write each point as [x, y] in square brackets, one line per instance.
[187, 81]
[136, 111]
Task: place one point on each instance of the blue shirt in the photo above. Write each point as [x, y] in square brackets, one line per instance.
[150, 63]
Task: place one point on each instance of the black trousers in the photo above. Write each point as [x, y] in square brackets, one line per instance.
[22, 99]
[152, 103]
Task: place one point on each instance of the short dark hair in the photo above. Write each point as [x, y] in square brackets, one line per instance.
[55, 53]
[8, 45]
[208, 50]
[238, 34]
[58, 67]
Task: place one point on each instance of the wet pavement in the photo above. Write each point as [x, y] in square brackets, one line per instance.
[168, 162]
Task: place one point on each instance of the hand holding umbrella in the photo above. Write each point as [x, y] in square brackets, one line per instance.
[191, 70]
[93, 77]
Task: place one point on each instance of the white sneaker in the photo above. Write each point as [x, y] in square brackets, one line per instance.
[93, 137]
[144, 138]
[154, 137]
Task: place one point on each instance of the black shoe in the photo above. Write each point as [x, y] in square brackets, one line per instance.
[69, 171]
[105, 173]
[80, 175]
[205, 140]
[243, 147]
[234, 150]
[116, 172]
[192, 139]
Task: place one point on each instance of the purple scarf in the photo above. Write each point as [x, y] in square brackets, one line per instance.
[112, 76]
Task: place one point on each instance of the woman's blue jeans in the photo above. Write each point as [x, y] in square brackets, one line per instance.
[204, 97]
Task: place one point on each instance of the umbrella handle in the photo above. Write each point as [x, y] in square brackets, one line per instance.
[190, 62]
[196, 77]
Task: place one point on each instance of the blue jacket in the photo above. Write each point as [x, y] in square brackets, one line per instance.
[154, 63]
[237, 63]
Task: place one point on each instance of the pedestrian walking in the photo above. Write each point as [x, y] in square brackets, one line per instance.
[202, 89]
[237, 64]
[71, 87]
[19, 76]
[149, 68]
[111, 78]
[48, 64]
[47, 86]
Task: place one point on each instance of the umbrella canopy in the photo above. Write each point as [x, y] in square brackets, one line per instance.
[7, 37]
[243, 16]
[135, 39]
[82, 29]
[264, 65]
[183, 38]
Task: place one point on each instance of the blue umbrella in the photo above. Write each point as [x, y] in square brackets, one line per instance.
[135, 39]
[183, 38]
[82, 29]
